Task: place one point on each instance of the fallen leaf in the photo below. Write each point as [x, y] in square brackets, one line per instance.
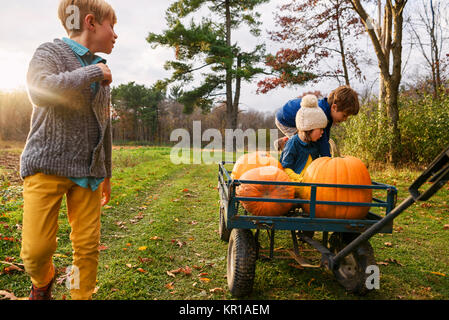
[187, 271]
[102, 248]
[446, 227]
[180, 244]
[388, 244]
[185, 190]
[12, 268]
[141, 270]
[205, 280]
[394, 261]
[214, 290]
[310, 282]
[142, 248]
[144, 260]
[171, 274]
[129, 265]
[170, 285]
[155, 238]
[7, 295]
[438, 273]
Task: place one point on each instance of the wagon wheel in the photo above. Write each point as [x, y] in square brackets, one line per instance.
[351, 273]
[241, 262]
[222, 230]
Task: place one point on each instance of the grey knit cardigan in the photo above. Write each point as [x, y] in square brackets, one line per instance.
[70, 131]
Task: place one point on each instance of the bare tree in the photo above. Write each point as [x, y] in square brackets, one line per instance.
[387, 45]
[430, 37]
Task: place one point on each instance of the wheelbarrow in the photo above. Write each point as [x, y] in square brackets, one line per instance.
[347, 253]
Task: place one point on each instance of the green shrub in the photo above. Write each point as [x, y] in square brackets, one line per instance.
[423, 124]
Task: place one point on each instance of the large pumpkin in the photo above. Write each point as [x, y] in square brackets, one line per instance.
[262, 208]
[345, 170]
[253, 160]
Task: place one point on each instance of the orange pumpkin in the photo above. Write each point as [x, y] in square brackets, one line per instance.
[261, 208]
[253, 160]
[346, 170]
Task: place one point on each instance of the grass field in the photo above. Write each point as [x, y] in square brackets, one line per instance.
[160, 240]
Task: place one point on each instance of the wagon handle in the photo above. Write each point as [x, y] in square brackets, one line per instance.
[437, 173]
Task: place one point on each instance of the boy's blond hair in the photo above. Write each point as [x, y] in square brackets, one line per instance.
[99, 8]
[346, 100]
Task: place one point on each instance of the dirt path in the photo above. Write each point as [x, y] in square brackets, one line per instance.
[10, 167]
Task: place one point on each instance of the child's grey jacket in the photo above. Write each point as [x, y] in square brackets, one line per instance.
[70, 131]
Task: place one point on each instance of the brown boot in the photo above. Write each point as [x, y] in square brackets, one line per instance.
[43, 293]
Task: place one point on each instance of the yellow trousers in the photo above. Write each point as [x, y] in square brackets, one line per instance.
[42, 196]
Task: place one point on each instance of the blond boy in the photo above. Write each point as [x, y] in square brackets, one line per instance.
[68, 149]
[341, 103]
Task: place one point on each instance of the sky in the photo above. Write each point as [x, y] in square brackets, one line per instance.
[25, 24]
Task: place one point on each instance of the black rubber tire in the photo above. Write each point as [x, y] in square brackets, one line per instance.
[351, 273]
[224, 232]
[241, 262]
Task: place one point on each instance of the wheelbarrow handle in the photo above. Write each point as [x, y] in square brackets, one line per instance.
[437, 173]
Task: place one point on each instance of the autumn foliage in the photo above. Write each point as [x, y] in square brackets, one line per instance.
[314, 33]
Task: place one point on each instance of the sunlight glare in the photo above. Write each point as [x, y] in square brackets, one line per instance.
[13, 69]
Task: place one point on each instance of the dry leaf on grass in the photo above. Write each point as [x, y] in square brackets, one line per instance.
[170, 286]
[5, 295]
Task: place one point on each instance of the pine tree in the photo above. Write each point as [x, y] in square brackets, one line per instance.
[206, 47]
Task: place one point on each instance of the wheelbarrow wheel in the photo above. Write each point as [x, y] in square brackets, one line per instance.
[241, 262]
[351, 272]
[222, 230]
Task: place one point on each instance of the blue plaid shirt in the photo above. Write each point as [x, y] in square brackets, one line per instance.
[86, 58]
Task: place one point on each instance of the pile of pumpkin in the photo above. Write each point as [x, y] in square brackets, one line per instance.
[261, 166]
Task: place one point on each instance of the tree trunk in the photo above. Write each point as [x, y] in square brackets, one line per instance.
[231, 122]
[238, 82]
[384, 34]
[342, 47]
[392, 80]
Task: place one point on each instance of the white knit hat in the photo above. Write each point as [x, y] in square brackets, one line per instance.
[310, 116]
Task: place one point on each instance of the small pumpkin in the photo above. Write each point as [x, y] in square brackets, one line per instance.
[262, 208]
[339, 170]
[253, 160]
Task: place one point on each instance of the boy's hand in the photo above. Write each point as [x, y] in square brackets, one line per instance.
[106, 193]
[106, 73]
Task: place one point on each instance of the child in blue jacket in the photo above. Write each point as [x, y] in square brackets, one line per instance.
[303, 147]
[338, 106]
